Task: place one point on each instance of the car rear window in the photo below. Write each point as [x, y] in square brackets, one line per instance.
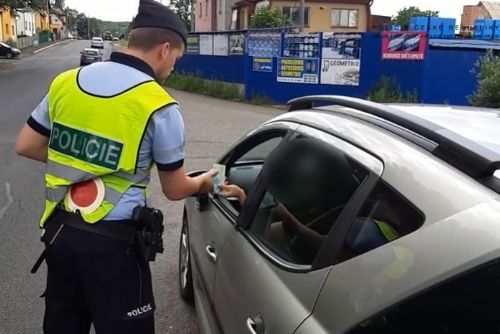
[97, 39]
[91, 52]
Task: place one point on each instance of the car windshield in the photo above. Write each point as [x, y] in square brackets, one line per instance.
[477, 124]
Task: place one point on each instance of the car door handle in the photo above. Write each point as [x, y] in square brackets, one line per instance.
[211, 253]
[256, 325]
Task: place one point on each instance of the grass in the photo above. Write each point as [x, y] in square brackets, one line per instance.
[195, 84]
[388, 90]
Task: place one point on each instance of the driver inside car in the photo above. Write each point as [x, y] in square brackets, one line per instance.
[306, 203]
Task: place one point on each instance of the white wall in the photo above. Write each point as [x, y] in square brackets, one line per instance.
[25, 23]
[224, 14]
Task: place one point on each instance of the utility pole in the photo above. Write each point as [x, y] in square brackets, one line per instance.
[48, 13]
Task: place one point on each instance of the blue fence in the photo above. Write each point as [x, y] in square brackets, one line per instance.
[444, 76]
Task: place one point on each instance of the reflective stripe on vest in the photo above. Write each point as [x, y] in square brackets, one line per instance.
[388, 232]
[94, 137]
[75, 175]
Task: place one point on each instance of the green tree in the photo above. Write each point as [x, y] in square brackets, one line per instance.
[265, 17]
[403, 16]
[35, 4]
[71, 17]
[183, 9]
[59, 4]
[82, 26]
[487, 71]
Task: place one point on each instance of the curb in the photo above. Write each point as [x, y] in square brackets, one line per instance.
[49, 46]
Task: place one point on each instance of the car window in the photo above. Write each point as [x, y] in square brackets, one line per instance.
[4, 45]
[464, 305]
[261, 151]
[91, 52]
[384, 217]
[247, 161]
[308, 185]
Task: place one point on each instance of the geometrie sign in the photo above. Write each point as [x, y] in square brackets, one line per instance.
[85, 146]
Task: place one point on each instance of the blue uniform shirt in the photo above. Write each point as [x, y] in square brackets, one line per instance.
[163, 142]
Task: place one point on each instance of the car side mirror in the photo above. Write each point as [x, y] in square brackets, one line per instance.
[201, 199]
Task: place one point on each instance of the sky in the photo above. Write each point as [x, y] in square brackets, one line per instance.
[124, 10]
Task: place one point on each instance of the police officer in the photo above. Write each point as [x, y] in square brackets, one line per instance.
[100, 129]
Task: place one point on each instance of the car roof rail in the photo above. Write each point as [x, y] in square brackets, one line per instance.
[463, 153]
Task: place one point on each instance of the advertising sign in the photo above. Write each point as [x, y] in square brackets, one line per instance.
[193, 44]
[340, 64]
[206, 45]
[221, 45]
[301, 45]
[404, 45]
[262, 64]
[237, 44]
[298, 70]
[264, 44]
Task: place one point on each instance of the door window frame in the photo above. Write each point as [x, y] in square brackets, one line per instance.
[254, 138]
[327, 254]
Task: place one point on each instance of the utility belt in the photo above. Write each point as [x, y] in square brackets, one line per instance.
[144, 228]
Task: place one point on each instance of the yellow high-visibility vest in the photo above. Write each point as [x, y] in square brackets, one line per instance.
[97, 137]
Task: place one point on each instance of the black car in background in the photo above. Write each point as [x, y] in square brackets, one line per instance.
[89, 56]
[8, 52]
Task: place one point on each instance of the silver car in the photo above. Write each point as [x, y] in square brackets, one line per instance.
[97, 43]
[359, 218]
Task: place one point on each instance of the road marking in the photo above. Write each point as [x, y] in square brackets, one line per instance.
[49, 46]
[10, 200]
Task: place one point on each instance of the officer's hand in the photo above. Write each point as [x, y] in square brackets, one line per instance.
[206, 181]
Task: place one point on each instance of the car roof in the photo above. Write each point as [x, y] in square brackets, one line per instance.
[478, 124]
[96, 37]
[437, 130]
[90, 49]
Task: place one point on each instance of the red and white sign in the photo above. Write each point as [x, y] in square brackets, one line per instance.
[403, 45]
[86, 196]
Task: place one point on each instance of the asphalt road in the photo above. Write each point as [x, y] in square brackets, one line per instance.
[212, 126]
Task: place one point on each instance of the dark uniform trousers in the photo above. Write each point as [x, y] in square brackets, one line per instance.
[96, 279]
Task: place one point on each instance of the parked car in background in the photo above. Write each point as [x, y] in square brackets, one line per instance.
[8, 52]
[97, 43]
[360, 218]
[89, 56]
[116, 39]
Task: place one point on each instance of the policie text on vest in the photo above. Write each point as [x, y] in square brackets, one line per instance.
[85, 146]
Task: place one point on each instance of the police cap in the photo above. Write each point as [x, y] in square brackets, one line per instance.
[155, 15]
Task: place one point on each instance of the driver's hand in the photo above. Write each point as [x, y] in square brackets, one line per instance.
[229, 190]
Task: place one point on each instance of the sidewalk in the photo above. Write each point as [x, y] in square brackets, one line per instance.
[33, 49]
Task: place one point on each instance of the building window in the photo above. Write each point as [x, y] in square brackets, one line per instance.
[206, 7]
[201, 9]
[293, 13]
[345, 18]
[7, 28]
[13, 30]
